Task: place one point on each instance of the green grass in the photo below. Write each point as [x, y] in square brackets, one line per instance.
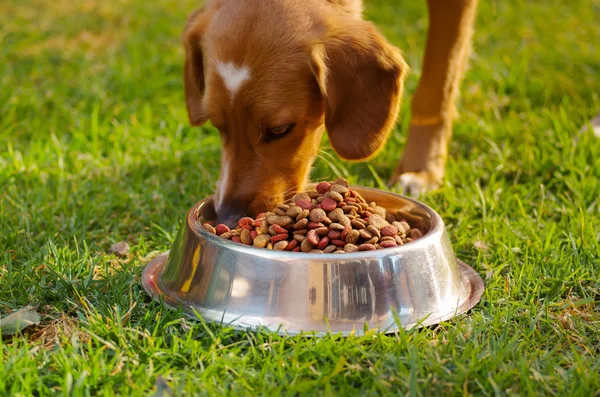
[95, 148]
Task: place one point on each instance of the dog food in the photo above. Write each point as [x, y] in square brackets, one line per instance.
[331, 219]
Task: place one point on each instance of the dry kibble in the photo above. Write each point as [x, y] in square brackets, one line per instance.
[341, 189]
[306, 246]
[387, 244]
[279, 237]
[329, 249]
[209, 228]
[374, 231]
[328, 204]
[291, 245]
[335, 214]
[405, 225]
[389, 230]
[323, 187]
[415, 234]
[365, 234]
[377, 221]
[350, 248]
[345, 221]
[330, 219]
[221, 228]
[245, 237]
[317, 215]
[334, 195]
[356, 224]
[322, 231]
[399, 227]
[279, 211]
[336, 226]
[372, 240]
[366, 247]
[352, 237]
[303, 215]
[312, 237]
[341, 181]
[293, 211]
[262, 240]
[280, 245]
[301, 224]
[313, 194]
[299, 237]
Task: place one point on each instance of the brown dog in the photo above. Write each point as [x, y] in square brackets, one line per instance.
[271, 74]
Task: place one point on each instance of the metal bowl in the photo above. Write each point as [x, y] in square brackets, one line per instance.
[416, 284]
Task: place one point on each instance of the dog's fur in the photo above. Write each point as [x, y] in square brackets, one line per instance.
[271, 74]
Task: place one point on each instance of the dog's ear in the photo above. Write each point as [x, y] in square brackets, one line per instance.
[193, 75]
[361, 79]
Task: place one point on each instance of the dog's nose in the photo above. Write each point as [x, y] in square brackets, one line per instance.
[230, 212]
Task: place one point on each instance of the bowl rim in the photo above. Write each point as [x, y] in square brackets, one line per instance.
[437, 226]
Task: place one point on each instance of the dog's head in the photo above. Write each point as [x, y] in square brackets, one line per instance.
[270, 75]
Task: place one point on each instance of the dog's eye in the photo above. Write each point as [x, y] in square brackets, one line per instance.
[275, 133]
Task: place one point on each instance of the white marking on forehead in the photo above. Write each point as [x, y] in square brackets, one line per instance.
[233, 76]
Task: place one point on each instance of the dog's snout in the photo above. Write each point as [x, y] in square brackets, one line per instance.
[230, 211]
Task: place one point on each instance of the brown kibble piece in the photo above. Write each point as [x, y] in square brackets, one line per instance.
[299, 237]
[399, 227]
[336, 226]
[280, 245]
[303, 215]
[293, 211]
[329, 249]
[377, 221]
[301, 224]
[415, 234]
[306, 246]
[341, 189]
[372, 240]
[209, 228]
[374, 231]
[262, 240]
[405, 225]
[341, 181]
[365, 234]
[345, 221]
[350, 248]
[246, 237]
[335, 196]
[352, 237]
[356, 224]
[366, 247]
[335, 214]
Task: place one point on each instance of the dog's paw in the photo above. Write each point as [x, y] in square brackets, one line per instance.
[414, 183]
[423, 163]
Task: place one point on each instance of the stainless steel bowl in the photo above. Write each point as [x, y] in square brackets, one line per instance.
[417, 284]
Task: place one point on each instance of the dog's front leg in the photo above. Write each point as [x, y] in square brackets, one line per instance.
[423, 163]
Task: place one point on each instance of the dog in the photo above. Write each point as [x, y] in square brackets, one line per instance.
[272, 75]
